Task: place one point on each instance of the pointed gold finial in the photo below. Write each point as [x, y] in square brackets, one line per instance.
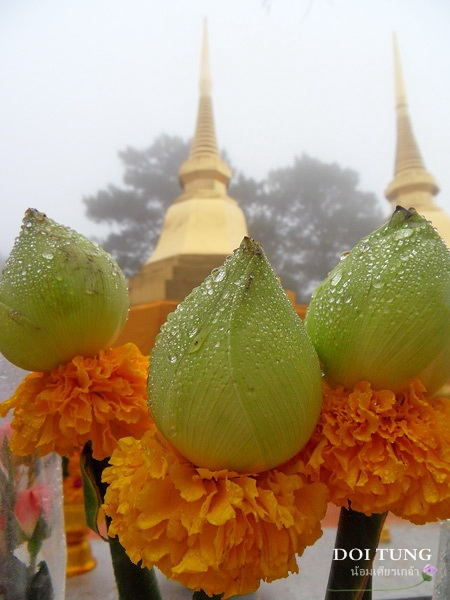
[205, 69]
[204, 163]
[203, 225]
[408, 155]
[410, 174]
[400, 92]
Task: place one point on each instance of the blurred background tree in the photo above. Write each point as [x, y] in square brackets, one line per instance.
[135, 212]
[306, 215]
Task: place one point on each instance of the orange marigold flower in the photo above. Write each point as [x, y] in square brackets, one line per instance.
[384, 451]
[218, 531]
[99, 399]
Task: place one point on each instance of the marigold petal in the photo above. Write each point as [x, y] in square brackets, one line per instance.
[221, 508]
[222, 532]
[384, 452]
[193, 562]
[99, 399]
[183, 477]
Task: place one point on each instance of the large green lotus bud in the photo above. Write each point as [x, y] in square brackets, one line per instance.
[383, 313]
[234, 380]
[60, 296]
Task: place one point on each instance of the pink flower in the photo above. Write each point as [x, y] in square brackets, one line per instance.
[30, 505]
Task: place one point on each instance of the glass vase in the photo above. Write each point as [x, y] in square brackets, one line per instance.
[32, 538]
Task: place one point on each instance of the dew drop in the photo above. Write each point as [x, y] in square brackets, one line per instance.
[219, 275]
[403, 233]
[377, 283]
[336, 278]
[172, 431]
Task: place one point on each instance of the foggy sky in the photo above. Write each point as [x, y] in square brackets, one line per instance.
[82, 80]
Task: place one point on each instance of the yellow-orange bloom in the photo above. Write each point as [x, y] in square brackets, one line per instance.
[218, 531]
[99, 399]
[384, 451]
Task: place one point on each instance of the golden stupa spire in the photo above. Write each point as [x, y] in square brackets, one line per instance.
[204, 162]
[204, 142]
[203, 225]
[410, 175]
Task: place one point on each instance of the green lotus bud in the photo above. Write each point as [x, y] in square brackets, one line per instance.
[60, 296]
[234, 380]
[383, 313]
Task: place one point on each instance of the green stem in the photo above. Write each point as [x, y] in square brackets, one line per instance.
[201, 595]
[408, 587]
[356, 532]
[133, 582]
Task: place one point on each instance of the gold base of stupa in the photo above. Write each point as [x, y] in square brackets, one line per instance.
[79, 552]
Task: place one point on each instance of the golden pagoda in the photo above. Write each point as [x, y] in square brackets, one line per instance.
[201, 228]
[203, 225]
[413, 185]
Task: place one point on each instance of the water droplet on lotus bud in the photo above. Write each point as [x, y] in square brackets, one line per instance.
[397, 325]
[244, 391]
[61, 295]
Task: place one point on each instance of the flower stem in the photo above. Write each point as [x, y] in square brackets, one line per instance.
[408, 587]
[351, 571]
[132, 580]
[201, 595]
